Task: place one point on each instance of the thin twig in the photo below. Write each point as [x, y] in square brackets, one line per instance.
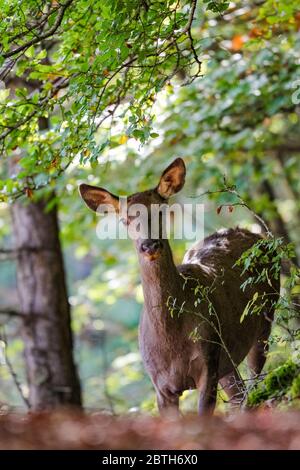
[42, 37]
[242, 203]
[10, 312]
[11, 369]
[59, 85]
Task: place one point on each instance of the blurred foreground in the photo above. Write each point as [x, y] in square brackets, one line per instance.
[262, 429]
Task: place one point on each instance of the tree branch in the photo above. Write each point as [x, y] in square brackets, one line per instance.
[10, 312]
[241, 203]
[63, 83]
[40, 38]
[6, 254]
[191, 17]
[11, 369]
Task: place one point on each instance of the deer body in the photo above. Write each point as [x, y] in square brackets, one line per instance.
[172, 359]
[203, 298]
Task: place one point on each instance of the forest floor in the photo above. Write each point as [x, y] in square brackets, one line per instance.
[262, 429]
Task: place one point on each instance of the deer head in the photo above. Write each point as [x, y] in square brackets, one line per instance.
[150, 241]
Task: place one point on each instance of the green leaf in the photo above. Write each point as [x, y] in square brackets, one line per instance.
[30, 52]
[41, 55]
[248, 307]
[4, 94]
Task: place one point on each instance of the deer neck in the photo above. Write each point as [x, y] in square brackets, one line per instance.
[160, 280]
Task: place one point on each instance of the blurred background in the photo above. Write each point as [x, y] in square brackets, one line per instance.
[238, 123]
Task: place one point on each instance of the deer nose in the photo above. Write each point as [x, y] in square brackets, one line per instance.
[151, 246]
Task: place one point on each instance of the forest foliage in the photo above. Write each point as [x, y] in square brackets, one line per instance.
[124, 88]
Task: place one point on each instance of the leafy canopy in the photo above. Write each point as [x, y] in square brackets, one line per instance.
[68, 67]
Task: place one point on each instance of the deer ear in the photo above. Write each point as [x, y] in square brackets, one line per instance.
[172, 179]
[96, 197]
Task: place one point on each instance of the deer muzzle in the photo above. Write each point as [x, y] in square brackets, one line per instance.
[151, 249]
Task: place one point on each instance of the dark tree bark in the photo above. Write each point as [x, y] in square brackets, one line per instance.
[47, 335]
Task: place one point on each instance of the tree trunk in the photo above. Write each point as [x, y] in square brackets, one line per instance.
[47, 335]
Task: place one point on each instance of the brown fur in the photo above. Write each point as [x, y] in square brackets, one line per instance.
[174, 361]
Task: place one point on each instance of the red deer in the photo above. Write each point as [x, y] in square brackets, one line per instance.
[175, 359]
